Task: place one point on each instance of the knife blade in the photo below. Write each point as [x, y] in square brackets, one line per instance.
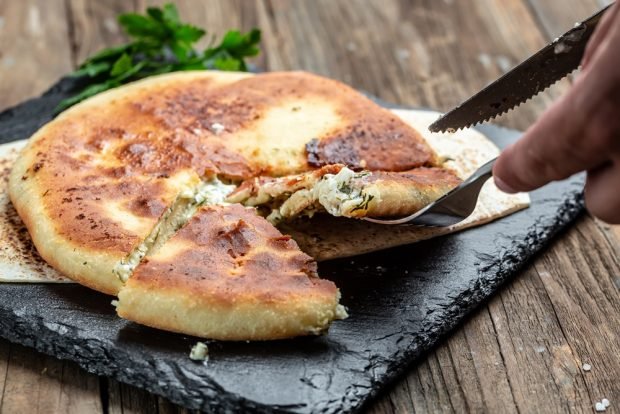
[537, 73]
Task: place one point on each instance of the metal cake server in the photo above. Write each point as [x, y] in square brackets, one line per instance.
[453, 207]
[545, 67]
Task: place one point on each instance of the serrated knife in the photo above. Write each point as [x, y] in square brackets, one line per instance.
[541, 70]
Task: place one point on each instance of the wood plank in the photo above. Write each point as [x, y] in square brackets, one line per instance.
[94, 26]
[555, 17]
[124, 399]
[582, 282]
[34, 48]
[488, 361]
[560, 369]
[79, 391]
[538, 358]
[32, 382]
[5, 352]
[34, 52]
[36, 383]
[424, 53]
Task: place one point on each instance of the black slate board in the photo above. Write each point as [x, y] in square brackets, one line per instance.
[401, 302]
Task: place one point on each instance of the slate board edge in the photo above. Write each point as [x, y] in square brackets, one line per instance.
[20, 331]
[111, 363]
[508, 266]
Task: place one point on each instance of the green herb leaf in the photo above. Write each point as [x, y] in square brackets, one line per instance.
[239, 44]
[92, 69]
[363, 205]
[160, 43]
[155, 13]
[131, 71]
[122, 65]
[171, 14]
[107, 54]
[140, 26]
[86, 93]
[188, 33]
[228, 63]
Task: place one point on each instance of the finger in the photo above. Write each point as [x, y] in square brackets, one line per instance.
[600, 33]
[552, 149]
[601, 192]
[579, 132]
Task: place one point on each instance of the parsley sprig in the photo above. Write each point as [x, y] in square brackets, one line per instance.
[160, 43]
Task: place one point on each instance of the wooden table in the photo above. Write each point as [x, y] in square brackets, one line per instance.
[521, 352]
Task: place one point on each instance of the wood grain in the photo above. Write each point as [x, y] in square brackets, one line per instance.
[555, 18]
[34, 48]
[538, 359]
[5, 349]
[93, 26]
[36, 383]
[34, 52]
[524, 350]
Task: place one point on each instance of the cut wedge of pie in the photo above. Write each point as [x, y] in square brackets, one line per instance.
[230, 275]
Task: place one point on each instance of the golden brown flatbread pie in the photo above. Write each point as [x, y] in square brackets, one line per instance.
[108, 188]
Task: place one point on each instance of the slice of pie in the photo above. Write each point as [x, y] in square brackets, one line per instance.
[230, 275]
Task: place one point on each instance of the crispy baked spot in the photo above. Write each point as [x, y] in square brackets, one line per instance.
[372, 144]
[234, 240]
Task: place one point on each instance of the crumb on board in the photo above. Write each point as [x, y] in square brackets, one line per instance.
[199, 352]
[586, 367]
[602, 405]
[217, 127]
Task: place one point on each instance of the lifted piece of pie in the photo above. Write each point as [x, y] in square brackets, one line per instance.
[342, 192]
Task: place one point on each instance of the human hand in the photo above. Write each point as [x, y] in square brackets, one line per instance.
[579, 132]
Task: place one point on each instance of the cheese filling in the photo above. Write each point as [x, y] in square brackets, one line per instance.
[341, 194]
[182, 210]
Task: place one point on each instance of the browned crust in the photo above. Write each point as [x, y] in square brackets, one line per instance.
[118, 152]
[234, 256]
[103, 172]
[125, 149]
[50, 255]
[419, 177]
[398, 194]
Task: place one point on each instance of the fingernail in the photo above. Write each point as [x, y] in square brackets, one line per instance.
[503, 186]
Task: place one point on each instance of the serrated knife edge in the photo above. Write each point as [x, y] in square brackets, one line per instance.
[541, 70]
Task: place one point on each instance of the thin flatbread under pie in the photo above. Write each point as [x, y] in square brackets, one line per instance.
[106, 190]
